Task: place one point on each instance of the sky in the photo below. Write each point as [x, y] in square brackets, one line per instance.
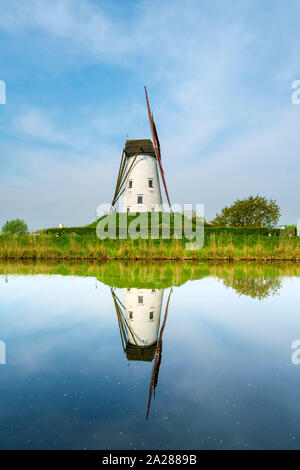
[219, 76]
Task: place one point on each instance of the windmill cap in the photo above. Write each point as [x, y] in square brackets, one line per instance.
[144, 145]
[140, 353]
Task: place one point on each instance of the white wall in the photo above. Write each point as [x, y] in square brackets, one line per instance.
[145, 329]
[145, 168]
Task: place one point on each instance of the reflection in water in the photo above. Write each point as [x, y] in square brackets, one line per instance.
[143, 309]
[257, 280]
[139, 316]
[258, 288]
[158, 275]
[66, 384]
[139, 323]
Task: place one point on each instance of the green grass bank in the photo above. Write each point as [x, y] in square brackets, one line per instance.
[217, 246]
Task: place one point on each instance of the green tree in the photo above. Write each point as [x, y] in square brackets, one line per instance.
[249, 212]
[14, 227]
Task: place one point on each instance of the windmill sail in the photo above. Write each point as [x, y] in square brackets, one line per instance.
[157, 147]
[156, 136]
[157, 360]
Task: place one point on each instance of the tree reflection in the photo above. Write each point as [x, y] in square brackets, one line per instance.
[258, 288]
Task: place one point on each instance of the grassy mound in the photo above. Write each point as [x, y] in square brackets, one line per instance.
[165, 222]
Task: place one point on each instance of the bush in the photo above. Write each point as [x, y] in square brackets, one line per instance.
[263, 231]
[83, 231]
[14, 227]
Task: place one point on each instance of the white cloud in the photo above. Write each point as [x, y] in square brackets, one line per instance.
[80, 22]
[37, 123]
[263, 161]
[51, 186]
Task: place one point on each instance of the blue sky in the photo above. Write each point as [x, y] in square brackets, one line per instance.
[219, 76]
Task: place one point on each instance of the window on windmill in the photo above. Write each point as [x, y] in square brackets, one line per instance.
[151, 315]
[140, 199]
[140, 299]
[130, 316]
[150, 183]
[130, 184]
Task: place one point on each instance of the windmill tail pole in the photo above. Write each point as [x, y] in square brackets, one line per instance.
[157, 146]
[122, 176]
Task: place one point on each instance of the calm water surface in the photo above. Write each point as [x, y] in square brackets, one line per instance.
[88, 366]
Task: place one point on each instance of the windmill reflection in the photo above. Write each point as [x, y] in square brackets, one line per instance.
[139, 324]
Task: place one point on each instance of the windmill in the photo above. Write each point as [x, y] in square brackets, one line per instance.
[140, 330]
[138, 177]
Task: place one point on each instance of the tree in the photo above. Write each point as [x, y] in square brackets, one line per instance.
[250, 212]
[14, 227]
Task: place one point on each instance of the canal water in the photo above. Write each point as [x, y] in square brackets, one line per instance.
[150, 357]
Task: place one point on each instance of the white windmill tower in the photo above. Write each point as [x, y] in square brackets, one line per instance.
[143, 309]
[142, 189]
[139, 321]
[138, 178]
[140, 329]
